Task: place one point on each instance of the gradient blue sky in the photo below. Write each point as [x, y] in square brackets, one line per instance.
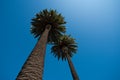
[95, 24]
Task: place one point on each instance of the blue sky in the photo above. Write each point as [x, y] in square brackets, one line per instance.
[95, 24]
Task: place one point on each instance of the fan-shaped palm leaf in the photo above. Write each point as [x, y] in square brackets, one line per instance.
[64, 41]
[48, 17]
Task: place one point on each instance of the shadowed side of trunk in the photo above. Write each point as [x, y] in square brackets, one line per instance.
[33, 67]
[72, 69]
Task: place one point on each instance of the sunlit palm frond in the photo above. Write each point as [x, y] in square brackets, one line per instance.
[48, 17]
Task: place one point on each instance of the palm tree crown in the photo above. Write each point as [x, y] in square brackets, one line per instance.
[48, 17]
[65, 42]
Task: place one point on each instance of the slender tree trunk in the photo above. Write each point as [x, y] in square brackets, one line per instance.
[72, 69]
[33, 67]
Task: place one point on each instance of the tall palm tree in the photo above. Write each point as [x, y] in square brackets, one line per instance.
[47, 26]
[64, 49]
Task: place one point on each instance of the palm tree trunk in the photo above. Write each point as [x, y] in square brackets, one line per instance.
[33, 67]
[72, 69]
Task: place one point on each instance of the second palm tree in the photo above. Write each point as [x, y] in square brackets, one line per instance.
[64, 49]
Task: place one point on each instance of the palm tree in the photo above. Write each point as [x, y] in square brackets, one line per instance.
[64, 49]
[47, 26]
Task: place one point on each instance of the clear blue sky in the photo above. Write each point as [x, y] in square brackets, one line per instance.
[95, 24]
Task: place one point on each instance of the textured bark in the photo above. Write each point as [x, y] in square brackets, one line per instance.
[72, 69]
[33, 67]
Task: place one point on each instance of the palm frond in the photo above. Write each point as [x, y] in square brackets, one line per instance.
[65, 41]
[48, 17]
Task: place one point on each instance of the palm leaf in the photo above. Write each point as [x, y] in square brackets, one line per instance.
[48, 17]
[63, 42]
